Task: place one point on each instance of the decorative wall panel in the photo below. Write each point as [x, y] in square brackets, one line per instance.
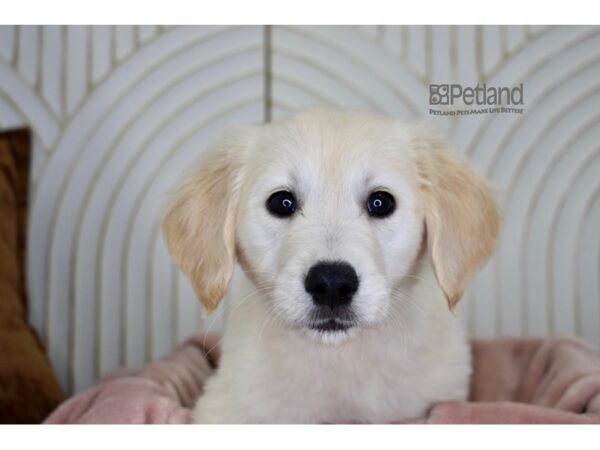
[119, 112]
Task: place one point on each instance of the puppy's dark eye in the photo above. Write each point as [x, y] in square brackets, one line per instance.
[281, 204]
[380, 204]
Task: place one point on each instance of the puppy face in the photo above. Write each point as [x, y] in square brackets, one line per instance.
[328, 213]
[333, 175]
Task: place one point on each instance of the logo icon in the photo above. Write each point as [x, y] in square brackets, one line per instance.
[439, 94]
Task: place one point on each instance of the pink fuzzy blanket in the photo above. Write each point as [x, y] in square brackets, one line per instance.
[514, 381]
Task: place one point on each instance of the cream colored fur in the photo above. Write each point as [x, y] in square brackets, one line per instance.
[407, 350]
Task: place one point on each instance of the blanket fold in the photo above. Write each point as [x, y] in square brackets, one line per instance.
[514, 381]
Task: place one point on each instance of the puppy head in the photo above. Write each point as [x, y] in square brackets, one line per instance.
[327, 212]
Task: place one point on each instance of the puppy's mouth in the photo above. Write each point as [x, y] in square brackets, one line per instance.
[331, 326]
[328, 321]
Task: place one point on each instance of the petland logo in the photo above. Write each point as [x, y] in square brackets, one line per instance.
[481, 99]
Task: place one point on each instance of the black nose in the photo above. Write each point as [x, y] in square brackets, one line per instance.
[331, 283]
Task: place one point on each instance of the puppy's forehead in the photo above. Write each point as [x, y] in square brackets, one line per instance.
[335, 146]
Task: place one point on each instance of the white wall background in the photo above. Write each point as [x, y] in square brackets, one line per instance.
[119, 112]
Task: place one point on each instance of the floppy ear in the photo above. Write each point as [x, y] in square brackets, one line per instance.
[461, 216]
[199, 225]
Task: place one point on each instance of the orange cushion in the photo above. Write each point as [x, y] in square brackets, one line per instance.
[29, 390]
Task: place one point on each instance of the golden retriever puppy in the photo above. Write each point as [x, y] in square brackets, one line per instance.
[357, 234]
